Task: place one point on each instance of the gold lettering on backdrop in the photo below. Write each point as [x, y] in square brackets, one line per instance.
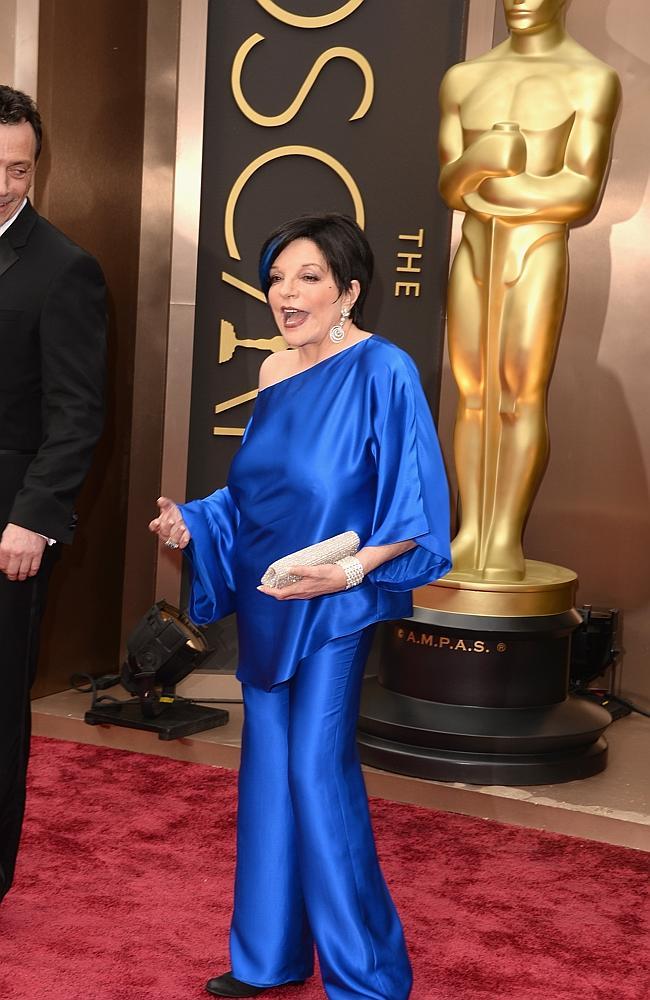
[409, 263]
[270, 121]
[243, 287]
[407, 287]
[417, 237]
[228, 342]
[409, 258]
[230, 404]
[309, 20]
[277, 154]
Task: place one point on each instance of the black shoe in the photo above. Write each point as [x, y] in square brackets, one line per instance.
[228, 986]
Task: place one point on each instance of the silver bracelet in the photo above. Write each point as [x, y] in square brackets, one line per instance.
[353, 570]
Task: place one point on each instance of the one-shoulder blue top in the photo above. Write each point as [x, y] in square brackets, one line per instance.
[348, 444]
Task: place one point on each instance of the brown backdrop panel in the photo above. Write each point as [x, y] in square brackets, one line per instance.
[91, 96]
[385, 158]
[390, 154]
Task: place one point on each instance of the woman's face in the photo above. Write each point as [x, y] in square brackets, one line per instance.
[303, 295]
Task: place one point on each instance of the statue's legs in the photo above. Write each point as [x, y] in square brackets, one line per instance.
[465, 303]
[532, 313]
[507, 294]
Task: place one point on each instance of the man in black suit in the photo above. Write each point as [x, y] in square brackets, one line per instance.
[52, 345]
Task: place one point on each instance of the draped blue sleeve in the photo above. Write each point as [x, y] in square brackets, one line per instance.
[412, 500]
[212, 523]
[345, 445]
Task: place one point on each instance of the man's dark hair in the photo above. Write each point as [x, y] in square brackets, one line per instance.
[15, 108]
[342, 244]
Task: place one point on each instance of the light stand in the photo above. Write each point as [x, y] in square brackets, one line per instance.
[594, 652]
[164, 648]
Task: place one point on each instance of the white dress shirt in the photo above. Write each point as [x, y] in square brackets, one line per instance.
[5, 225]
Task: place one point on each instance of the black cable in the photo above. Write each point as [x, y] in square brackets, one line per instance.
[603, 697]
[86, 684]
[628, 704]
[93, 683]
[210, 701]
[96, 684]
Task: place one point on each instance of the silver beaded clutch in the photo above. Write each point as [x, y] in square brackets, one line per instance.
[329, 550]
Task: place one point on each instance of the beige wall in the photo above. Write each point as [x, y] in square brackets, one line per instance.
[593, 510]
[19, 44]
[7, 40]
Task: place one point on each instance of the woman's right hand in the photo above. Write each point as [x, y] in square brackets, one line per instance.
[169, 525]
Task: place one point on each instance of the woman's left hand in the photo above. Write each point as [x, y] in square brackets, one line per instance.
[315, 581]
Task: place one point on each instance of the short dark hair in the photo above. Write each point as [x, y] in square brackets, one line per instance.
[15, 108]
[340, 240]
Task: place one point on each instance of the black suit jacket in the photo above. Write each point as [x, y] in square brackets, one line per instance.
[52, 359]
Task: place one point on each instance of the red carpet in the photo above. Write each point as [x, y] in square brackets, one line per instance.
[124, 888]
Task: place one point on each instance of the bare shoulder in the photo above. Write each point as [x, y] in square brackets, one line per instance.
[277, 366]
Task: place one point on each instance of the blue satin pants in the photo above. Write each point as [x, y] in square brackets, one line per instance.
[307, 868]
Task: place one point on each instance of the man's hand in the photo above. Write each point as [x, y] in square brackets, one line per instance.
[21, 551]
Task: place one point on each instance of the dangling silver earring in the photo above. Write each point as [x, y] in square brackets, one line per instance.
[337, 333]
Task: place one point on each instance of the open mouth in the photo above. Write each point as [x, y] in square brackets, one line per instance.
[293, 317]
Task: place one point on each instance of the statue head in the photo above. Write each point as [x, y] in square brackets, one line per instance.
[529, 16]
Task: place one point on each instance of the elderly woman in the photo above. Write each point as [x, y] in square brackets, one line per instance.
[341, 439]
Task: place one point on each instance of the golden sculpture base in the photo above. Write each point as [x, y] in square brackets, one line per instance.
[473, 687]
[545, 590]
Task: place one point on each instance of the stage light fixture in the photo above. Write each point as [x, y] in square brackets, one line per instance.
[593, 645]
[163, 649]
[593, 652]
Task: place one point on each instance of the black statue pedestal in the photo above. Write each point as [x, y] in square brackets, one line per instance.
[474, 687]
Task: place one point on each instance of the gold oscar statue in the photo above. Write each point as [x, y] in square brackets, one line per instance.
[473, 687]
[525, 142]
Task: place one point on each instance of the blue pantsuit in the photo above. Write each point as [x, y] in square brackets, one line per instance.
[346, 445]
[307, 866]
